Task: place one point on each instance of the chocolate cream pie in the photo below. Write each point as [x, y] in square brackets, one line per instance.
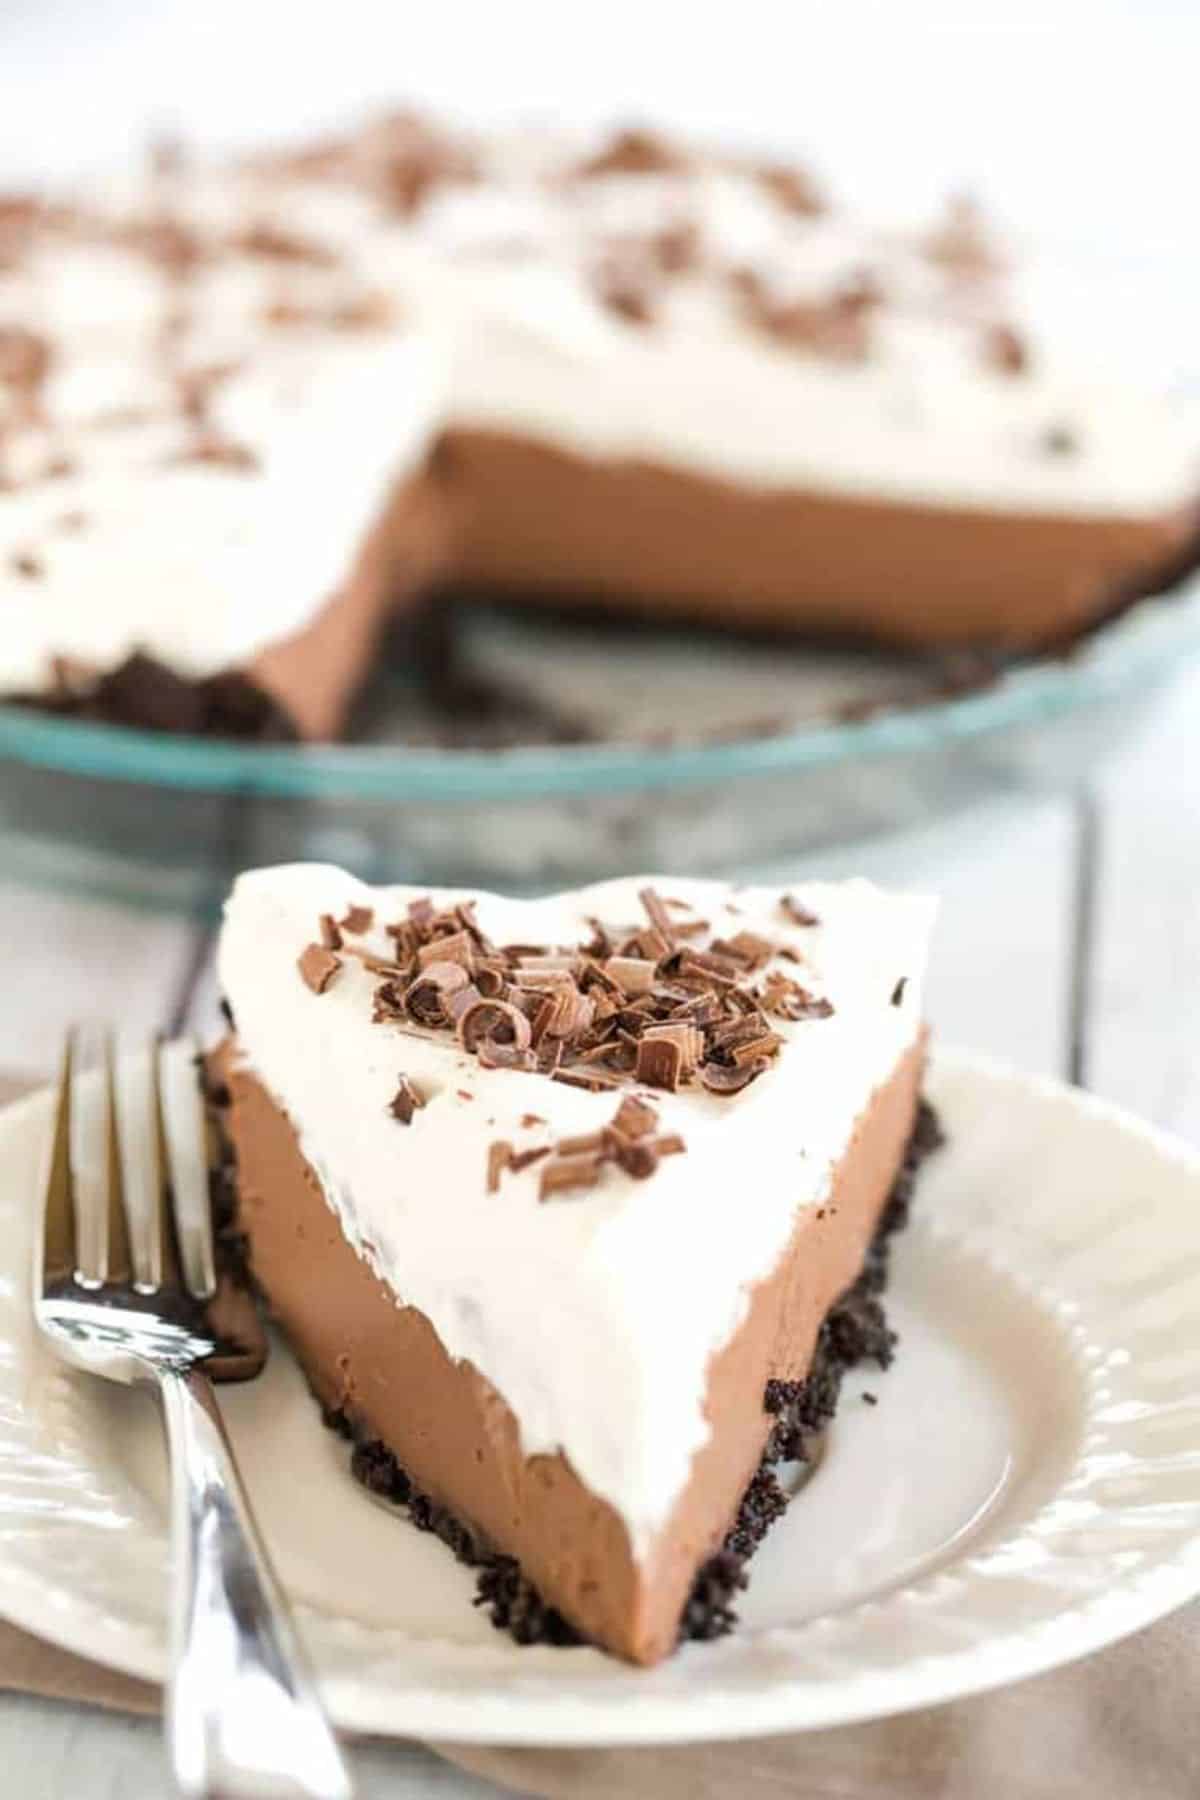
[248, 410]
[574, 1210]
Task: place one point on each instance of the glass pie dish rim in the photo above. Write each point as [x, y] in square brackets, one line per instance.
[1143, 642]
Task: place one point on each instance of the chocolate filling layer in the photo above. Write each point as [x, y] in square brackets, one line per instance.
[854, 1331]
[379, 1363]
[501, 516]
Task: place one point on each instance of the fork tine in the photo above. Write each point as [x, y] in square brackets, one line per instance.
[186, 1131]
[58, 1213]
[135, 1089]
[102, 1246]
[165, 1262]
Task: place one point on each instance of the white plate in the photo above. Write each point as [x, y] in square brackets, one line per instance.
[1026, 1489]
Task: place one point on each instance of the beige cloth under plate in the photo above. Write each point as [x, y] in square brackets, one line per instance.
[1124, 1725]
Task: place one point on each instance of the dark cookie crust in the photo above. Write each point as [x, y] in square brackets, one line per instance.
[147, 695]
[855, 1331]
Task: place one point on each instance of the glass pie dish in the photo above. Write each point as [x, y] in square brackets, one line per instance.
[698, 754]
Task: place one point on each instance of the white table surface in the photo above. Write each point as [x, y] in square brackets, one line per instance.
[1069, 943]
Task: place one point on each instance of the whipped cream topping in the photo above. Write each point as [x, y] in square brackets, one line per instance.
[135, 543]
[365, 295]
[594, 1314]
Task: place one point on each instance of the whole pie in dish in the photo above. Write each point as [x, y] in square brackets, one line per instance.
[574, 1211]
[249, 409]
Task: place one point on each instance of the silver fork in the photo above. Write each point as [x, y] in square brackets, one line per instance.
[126, 1286]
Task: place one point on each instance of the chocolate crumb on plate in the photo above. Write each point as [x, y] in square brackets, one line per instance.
[898, 991]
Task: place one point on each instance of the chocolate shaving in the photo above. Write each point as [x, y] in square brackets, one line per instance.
[564, 1172]
[676, 248]
[837, 328]
[330, 932]
[219, 452]
[600, 944]
[494, 1024]
[458, 1002]
[747, 948]
[1005, 350]
[656, 912]
[456, 948]
[631, 974]
[761, 1047]
[671, 1144]
[961, 245]
[194, 389]
[637, 1157]
[410, 158]
[406, 1101]
[587, 1143]
[318, 966]
[793, 188]
[626, 292]
[592, 1082]
[26, 358]
[685, 1035]
[524, 1159]
[898, 991]
[723, 1078]
[566, 1013]
[500, 1157]
[267, 239]
[357, 920]
[370, 310]
[634, 1118]
[786, 999]
[796, 913]
[506, 1056]
[634, 151]
[659, 1062]
[490, 981]
[427, 998]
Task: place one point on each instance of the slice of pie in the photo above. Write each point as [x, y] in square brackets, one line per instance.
[553, 1198]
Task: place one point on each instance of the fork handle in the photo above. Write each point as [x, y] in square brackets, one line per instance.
[242, 1715]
